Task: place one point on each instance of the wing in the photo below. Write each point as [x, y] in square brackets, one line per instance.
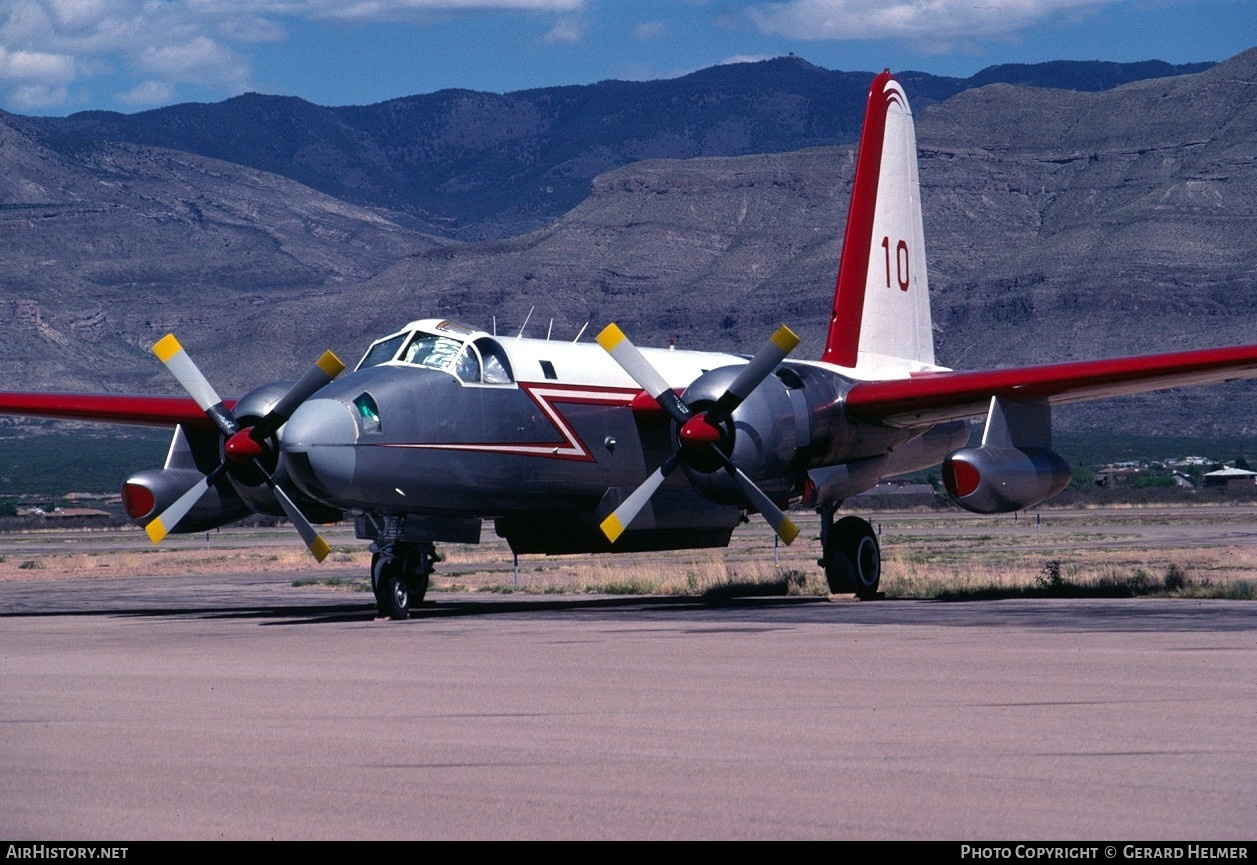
[107, 408]
[940, 396]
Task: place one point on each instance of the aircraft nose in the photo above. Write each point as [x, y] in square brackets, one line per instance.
[318, 447]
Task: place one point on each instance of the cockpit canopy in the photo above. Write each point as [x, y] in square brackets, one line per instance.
[471, 356]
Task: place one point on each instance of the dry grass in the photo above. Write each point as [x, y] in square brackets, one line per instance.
[704, 572]
[1225, 570]
[287, 556]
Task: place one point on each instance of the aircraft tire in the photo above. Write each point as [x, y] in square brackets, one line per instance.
[418, 585]
[853, 558]
[392, 590]
[376, 589]
[416, 566]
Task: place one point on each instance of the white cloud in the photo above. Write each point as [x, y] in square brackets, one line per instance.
[34, 96]
[649, 30]
[200, 60]
[36, 79]
[393, 10]
[147, 93]
[252, 28]
[565, 30]
[76, 14]
[920, 21]
[37, 65]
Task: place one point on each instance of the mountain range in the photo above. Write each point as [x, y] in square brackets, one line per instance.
[474, 166]
[1072, 210]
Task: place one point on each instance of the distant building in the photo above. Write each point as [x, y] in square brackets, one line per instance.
[1230, 477]
[1192, 461]
[86, 514]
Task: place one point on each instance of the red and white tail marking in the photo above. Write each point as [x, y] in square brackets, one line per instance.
[880, 326]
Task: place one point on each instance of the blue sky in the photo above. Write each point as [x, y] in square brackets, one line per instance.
[62, 56]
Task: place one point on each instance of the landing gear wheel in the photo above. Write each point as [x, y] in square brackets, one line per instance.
[392, 594]
[375, 582]
[418, 585]
[853, 558]
[416, 561]
[399, 577]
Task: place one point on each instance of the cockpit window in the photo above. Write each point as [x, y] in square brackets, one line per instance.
[482, 361]
[382, 351]
[368, 412]
[434, 352]
[467, 367]
[497, 369]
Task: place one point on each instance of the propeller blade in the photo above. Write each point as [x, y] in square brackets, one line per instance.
[702, 430]
[632, 361]
[761, 366]
[160, 526]
[182, 367]
[776, 517]
[246, 446]
[619, 519]
[313, 540]
[324, 370]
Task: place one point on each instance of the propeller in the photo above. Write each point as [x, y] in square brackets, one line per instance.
[242, 446]
[698, 433]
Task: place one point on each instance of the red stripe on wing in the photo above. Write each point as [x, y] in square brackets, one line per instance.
[934, 397]
[107, 408]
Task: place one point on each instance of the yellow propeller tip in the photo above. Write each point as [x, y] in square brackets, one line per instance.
[785, 339]
[610, 336]
[788, 531]
[331, 365]
[156, 531]
[612, 528]
[319, 548]
[167, 347]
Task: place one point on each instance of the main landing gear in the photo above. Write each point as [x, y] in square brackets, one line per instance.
[851, 556]
[399, 576]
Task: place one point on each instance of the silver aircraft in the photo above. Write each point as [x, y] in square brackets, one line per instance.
[575, 447]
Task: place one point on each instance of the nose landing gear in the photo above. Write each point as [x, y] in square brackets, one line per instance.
[399, 576]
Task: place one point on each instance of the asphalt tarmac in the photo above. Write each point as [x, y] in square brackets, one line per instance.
[240, 707]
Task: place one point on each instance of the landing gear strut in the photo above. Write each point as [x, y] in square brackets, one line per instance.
[399, 576]
[851, 556]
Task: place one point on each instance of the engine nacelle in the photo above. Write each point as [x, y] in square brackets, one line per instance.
[236, 493]
[793, 421]
[147, 494]
[762, 437]
[249, 485]
[994, 480]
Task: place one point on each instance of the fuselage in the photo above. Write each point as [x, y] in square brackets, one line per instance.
[442, 419]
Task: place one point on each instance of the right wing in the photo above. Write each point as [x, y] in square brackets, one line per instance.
[934, 397]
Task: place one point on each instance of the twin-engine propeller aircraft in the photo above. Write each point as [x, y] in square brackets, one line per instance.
[573, 447]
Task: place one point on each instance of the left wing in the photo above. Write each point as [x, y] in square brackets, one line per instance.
[933, 397]
[107, 408]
